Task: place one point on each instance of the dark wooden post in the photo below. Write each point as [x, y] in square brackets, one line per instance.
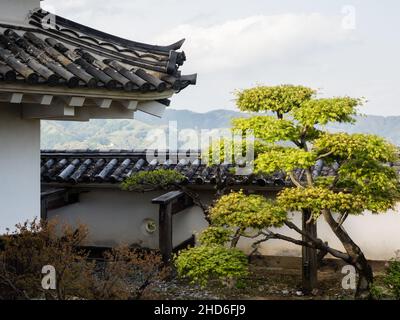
[309, 256]
[171, 203]
[165, 235]
[43, 209]
[166, 211]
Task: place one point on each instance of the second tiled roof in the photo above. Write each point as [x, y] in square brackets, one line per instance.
[71, 54]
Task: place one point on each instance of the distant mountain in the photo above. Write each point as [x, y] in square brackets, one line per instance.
[188, 119]
[149, 132]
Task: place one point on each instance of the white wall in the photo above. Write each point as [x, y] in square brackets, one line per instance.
[17, 10]
[116, 217]
[377, 235]
[19, 167]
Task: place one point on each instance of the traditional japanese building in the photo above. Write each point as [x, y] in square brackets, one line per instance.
[84, 186]
[53, 68]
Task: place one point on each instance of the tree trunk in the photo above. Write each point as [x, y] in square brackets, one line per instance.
[309, 256]
[358, 260]
[365, 278]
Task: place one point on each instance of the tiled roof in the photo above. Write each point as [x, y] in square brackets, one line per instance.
[74, 55]
[112, 167]
[90, 167]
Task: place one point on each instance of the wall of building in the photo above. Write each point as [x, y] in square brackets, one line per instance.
[118, 217]
[115, 216]
[19, 167]
[16, 11]
[377, 235]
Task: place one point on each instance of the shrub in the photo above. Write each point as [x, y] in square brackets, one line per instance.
[127, 274]
[215, 236]
[157, 179]
[392, 279]
[204, 263]
[34, 245]
[123, 273]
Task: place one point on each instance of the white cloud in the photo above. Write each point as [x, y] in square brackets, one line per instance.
[257, 39]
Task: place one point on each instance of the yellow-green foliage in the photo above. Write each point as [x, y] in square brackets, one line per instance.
[284, 159]
[345, 146]
[392, 278]
[267, 128]
[228, 150]
[215, 236]
[316, 199]
[280, 99]
[157, 179]
[246, 211]
[204, 263]
[374, 181]
[323, 111]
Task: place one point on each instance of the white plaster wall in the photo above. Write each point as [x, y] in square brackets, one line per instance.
[377, 235]
[17, 10]
[188, 222]
[19, 167]
[116, 217]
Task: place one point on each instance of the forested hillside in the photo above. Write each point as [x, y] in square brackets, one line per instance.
[146, 131]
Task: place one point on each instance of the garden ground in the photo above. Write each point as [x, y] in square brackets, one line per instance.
[271, 278]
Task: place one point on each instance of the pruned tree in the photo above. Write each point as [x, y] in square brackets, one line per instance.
[289, 128]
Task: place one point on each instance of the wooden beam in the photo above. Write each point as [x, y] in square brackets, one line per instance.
[84, 92]
[74, 101]
[114, 112]
[103, 103]
[153, 108]
[168, 197]
[130, 104]
[16, 98]
[42, 99]
[57, 199]
[45, 99]
[59, 110]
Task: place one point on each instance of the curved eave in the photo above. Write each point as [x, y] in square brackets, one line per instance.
[60, 21]
[85, 92]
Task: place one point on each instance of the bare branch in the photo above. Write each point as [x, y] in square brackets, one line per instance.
[316, 243]
[342, 219]
[294, 180]
[322, 156]
[310, 180]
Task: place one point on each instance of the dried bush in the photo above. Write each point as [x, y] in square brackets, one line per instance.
[127, 273]
[33, 245]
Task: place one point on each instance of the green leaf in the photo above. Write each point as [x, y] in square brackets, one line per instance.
[280, 99]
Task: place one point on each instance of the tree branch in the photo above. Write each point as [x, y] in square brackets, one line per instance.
[318, 243]
[322, 156]
[294, 180]
[310, 180]
[197, 201]
[342, 219]
[236, 237]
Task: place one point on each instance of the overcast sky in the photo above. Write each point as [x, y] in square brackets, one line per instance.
[341, 47]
